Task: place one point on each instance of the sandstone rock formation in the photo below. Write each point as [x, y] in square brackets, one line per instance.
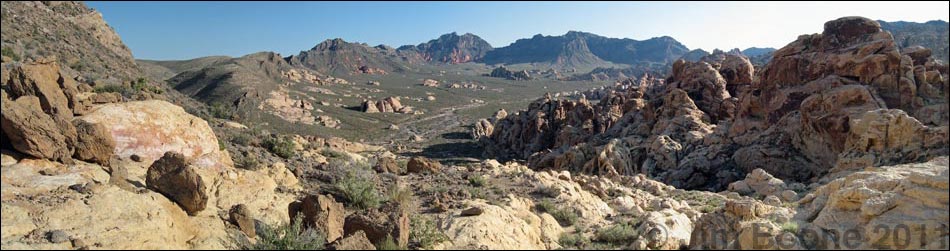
[826, 100]
[388, 105]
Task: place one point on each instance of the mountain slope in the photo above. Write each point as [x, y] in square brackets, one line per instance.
[452, 48]
[336, 56]
[933, 35]
[580, 48]
[72, 32]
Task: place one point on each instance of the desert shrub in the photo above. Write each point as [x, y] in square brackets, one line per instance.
[248, 162]
[291, 236]
[565, 216]
[280, 146]
[333, 154]
[548, 191]
[220, 110]
[790, 227]
[389, 244]
[477, 181]
[140, 84]
[572, 240]
[111, 88]
[423, 230]
[403, 196]
[546, 206]
[8, 52]
[359, 189]
[242, 139]
[617, 234]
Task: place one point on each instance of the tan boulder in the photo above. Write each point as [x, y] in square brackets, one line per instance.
[176, 178]
[356, 241]
[423, 165]
[241, 217]
[387, 165]
[510, 226]
[387, 221]
[322, 213]
[94, 143]
[151, 128]
[33, 132]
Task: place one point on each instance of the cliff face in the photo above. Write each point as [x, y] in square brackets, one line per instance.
[72, 32]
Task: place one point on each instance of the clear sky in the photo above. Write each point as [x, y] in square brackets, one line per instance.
[183, 30]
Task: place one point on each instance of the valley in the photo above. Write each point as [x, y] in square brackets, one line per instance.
[573, 141]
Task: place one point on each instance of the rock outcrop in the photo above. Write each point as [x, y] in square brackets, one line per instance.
[826, 103]
[387, 221]
[502, 72]
[386, 105]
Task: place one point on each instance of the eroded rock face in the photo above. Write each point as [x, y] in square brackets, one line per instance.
[173, 176]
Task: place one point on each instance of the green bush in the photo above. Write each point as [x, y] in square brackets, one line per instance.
[288, 237]
[546, 206]
[618, 234]
[333, 154]
[280, 146]
[790, 227]
[476, 180]
[359, 189]
[566, 216]
[243, 139]
[572, 240]
[6, 51]
[248, 162]
[424, 231]
[220, 110]
[111, 88]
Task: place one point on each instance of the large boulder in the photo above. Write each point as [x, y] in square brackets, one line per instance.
[320, 212]
[94, 143]
[174, 177]
[423, 165]
[241, 217]
[356, 241]
[387, 221]
[43, 79]
[32, 132]
[151, 128]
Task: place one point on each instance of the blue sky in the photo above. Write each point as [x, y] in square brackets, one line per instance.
[183, 30]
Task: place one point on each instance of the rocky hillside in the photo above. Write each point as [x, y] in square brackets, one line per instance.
[576, 49]
[451, 48]
[74, 34]
[813, 111]
[934, 35]
[335, 56]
